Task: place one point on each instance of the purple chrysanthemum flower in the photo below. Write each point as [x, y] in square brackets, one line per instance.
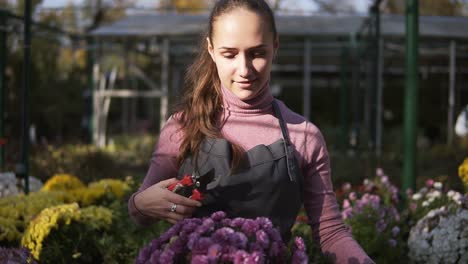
[395, 231]
[143, 256]
[250, 227]
[223, 235]
[257, 257]
[218, 239]
[201, 246]
[171, 232]
[392, 242]
[239, 240]
[214, 252]
[380, 225]
[237, 222]
[299, 243]
[190, 226]
[218, 216]
[264, 223]
[226, 222]
[300, 257]
[255, 246]
[167, 256]
[262, 238]
[240, 256]
[199, 259]
[274, 235]
[178, 246]
[206, 226]
[192, 240]
[155, 257]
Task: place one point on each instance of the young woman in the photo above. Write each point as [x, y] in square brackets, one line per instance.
[266, 159]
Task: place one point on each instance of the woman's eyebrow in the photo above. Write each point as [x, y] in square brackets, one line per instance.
[255, 47]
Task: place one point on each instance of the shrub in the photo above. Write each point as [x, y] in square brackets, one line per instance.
[220, 239]
[66, 233]
[17, 211]
[463, 173]
[441, 235]
[62, 182]
[373, 218]
[87, 161]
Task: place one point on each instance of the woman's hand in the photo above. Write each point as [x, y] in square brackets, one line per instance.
[156, 201]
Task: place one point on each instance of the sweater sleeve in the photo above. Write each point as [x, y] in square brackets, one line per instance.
[321, 206]
[163, 165]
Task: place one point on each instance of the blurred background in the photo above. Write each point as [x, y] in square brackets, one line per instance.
[85, 86]
[104, 74]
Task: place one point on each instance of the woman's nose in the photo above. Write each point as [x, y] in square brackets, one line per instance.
[244, 66]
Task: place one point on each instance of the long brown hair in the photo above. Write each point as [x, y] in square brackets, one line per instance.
[200, 109]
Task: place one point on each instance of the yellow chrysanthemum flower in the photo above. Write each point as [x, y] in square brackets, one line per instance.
[22, 208]
[62, 182]
[463, 173]
[117, 187]
[41, 226]
[55, 217]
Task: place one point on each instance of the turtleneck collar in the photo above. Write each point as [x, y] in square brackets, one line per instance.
[260, 104]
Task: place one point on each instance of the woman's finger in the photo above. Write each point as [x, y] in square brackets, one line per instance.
[179, 199]
[186, 211]
[165, 183]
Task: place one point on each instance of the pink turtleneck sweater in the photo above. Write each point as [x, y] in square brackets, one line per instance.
[250, 123]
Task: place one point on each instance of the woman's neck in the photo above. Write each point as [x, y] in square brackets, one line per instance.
[260, 104]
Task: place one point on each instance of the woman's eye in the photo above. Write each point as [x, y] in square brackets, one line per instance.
[229, 56]
[258, 54]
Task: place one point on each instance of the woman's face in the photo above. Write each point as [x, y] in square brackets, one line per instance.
[243, 49]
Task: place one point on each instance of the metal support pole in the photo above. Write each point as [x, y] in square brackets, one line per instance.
[3, 55]
[23, 167]
[375, 72]
[343, 140]
[451, 95]
[355, 90]
[411, 96]
[379, 112]
[306, 85]
[164, 81]
[91, 61]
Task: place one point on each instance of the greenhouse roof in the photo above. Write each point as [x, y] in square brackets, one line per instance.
[156, 24]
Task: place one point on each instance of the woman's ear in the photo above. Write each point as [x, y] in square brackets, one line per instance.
[275, 47]
[210, 49]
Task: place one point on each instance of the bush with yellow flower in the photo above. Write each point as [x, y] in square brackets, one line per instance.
[66, 233]
[463, 173]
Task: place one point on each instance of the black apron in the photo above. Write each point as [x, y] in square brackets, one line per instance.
[267, 183]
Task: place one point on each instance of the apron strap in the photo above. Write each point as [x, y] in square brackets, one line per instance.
[290, 161]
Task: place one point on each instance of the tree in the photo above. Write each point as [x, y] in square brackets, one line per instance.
[183, 6]
[336, 6]
[426, 7]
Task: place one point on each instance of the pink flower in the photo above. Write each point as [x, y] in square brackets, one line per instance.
[379, 172]
[346, 187]
[429, 183]
[346, 204]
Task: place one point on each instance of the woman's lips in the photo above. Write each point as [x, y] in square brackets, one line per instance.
[246, 84]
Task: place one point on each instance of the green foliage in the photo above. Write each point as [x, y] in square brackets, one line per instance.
[67, 234]
[88, 162]
[375, 243]
[131, 149]
[302, 229]
[131, 237]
